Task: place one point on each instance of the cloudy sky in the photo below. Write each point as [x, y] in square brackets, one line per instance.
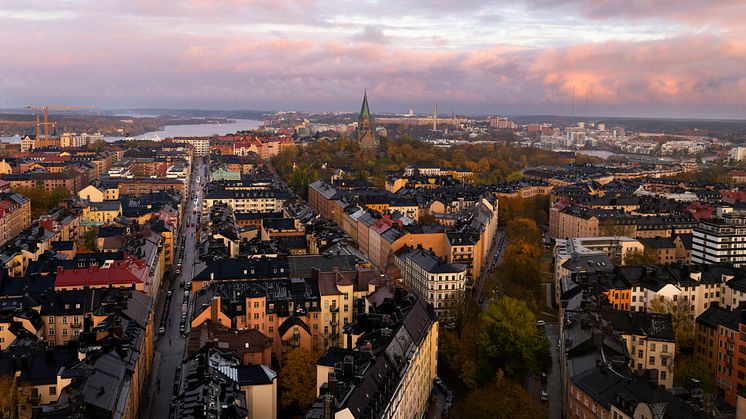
[670, 58]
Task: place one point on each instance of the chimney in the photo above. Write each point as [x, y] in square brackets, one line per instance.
[349, 367]
[333, 386]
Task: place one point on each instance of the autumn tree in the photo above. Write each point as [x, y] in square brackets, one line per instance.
[42, 200]
[519, 274]
[636, 257]
[682, 320]
[508, 338]
[298, 381]
[523, 229]
[9, 400]
[501, 399]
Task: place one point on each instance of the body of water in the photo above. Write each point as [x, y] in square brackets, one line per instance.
[188, 130]
[195, 130]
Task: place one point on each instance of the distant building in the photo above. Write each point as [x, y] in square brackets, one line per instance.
[365, 134]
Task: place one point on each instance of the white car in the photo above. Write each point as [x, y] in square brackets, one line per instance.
[544, 395]
[540, 323]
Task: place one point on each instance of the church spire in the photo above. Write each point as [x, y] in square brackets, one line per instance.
[364, 111]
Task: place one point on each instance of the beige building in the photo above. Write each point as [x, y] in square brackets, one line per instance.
[402, 379]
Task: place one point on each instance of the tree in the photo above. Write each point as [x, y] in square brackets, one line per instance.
[682, 320]
[636, 257]
[519, 274]
[89, 239]
[523, 229]
[686, 371]
[509, 338]
[9, 401]
[42, 201]
[501, 399]
[298, 380]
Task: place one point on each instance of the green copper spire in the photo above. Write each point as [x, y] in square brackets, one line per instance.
[364, 111]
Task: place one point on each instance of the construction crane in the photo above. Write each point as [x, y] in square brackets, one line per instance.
[46, 109]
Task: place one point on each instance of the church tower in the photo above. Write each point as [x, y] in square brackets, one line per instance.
[365, 134]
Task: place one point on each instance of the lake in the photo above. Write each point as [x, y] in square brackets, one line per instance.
[188, 130]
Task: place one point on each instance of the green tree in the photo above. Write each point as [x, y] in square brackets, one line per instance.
[89, 239]
[42, 201]
[686, 371]
[509, 339]
[682, 320]
[501, 399]
[636, 257]
[298, 381]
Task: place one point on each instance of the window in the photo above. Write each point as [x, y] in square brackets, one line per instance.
[652, 347]
[50, 320]
[51, 332]
[663, 375]
[664, 349]
[64, 332]
[256, 304]
[651, 360]
[347, 308]
[664, 361]
[52, 391]
[271, 329]
[256, 316]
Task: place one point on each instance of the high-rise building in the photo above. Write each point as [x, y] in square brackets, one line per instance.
[721, 240]
[365, 134]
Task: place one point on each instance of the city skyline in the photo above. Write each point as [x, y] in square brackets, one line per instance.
[659, 58]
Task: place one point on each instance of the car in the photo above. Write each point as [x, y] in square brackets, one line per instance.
[182, 328]
[540, 323]
[544, 396]
[450, 326]
[169, 293]
[162, 330]
[178, 271]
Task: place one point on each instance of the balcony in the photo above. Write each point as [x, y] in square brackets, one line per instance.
[76, 325]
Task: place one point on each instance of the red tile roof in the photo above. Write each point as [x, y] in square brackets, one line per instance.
[125, 272]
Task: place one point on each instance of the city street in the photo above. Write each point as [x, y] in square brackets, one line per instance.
[554, 385]
[169, 347]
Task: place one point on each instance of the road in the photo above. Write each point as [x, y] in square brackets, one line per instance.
[554, 384]
[491, 261]
[170, 347]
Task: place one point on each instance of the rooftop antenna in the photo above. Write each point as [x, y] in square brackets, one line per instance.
[586, 101]
[572, 114]
[435, 117]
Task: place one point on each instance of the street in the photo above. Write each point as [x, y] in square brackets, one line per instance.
[554, 384]
[170, 347]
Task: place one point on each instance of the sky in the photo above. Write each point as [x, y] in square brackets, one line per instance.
[660, 58]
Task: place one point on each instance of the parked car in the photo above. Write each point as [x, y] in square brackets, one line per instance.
[544, 395]
[162, 330]
[540, 323]
[169, 293]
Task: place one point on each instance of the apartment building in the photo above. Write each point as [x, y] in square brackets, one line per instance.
[402, 333]
[247, 200]
[650, 342]
[721, 240]
[201, 146]
[440, 283]
[719, 344]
